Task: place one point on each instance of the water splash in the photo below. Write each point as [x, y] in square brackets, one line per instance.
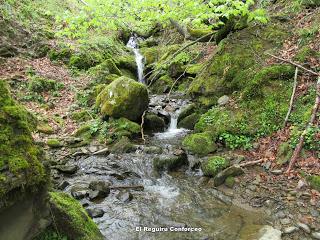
[133, 44]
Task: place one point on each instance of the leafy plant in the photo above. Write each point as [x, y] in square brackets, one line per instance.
[235, 141]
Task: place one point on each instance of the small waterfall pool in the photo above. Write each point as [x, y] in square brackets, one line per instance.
[133, 44]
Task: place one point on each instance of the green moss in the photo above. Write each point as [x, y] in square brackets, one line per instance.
[105, 72]
[82, 116]
[54, 143]
[314, 182]
[190, 121]
[126, 62]
[229, 182]
[151, 54]
[161, 85]
[62, 53]
[40, 84]
[235, 64]
[153, 122]
[17, 148]
[284, 153]
[86, 58]
[45, 128]
[71, 218]
[123, 146]
[198, 33]
[200, 143]
[305, 53]
[214, 165]
[123, 98]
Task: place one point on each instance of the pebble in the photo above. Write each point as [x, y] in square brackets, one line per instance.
[314, 213]
[280, 215]
[304, 227]
[276, 172]
[95, 212]
[316, 235]
[285, 221]
[62, 185]
[289, 230]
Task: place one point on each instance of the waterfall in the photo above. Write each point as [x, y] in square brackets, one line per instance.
[133, 44]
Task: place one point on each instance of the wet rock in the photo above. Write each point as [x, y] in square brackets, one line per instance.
[165, 115]
[268, 233]
[99, 189]
[62, 185]
[223, 100]
[125, 197]
[123, 146]
[232, 171]
[78, 192]
[187, 112]
[95, 212]
[67, 169]
[290, 230]
[316, 235]
[85, 202]
[170, 162]
[280, 215]
[304, 227]
[153, 150]
[154, 123]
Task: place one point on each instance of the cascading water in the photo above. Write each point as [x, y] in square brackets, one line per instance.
[133, 44]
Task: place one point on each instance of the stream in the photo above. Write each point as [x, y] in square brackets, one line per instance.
[163, 205]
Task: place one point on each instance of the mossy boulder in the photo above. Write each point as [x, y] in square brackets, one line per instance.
[170, 162]
[190, 121]
[200, 143]
[81, 116]
[162, 85]
[123, 98]
[20, 159]
[153, 122]
[214, 165]
[151, 54]
[71, 219]
[190, 109]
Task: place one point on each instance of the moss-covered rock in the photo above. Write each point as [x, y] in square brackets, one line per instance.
[54, 143]
[71, 218]
[229, 182]
[123, 98]
[123, 146]
[152, 122]
[170, 162]
[235, 64]
[105, 72]
[162, 85]
[200, 143]
[198, 33]
[40, 84]
[151, 54]
[214, 165]
[20, 159]
[190, 121]
[81, 116]
[45, 128]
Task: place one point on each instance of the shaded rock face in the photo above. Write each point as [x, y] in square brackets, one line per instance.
[124, 97]
[171, 162]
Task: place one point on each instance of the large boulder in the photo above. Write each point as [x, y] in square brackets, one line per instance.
[200, 143]
[124, 97]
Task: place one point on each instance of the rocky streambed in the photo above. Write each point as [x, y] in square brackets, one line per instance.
[155, 190]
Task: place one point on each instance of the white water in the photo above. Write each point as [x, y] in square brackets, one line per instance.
[132, 43]
[173, 129]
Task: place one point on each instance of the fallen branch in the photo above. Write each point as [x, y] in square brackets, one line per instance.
[294, 64]
[175, 54]
[299, 146]
[295, 83]
[251, 163]
[142, 123]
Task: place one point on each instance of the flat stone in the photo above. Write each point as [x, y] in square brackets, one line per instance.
[99, 189]
[316, 235]
[304, 227]
[290, 230]
[93, 149]
[68, 169]
[79, 194]
[276, 172]
[223, 100]
[280, 214]
[95, 212]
